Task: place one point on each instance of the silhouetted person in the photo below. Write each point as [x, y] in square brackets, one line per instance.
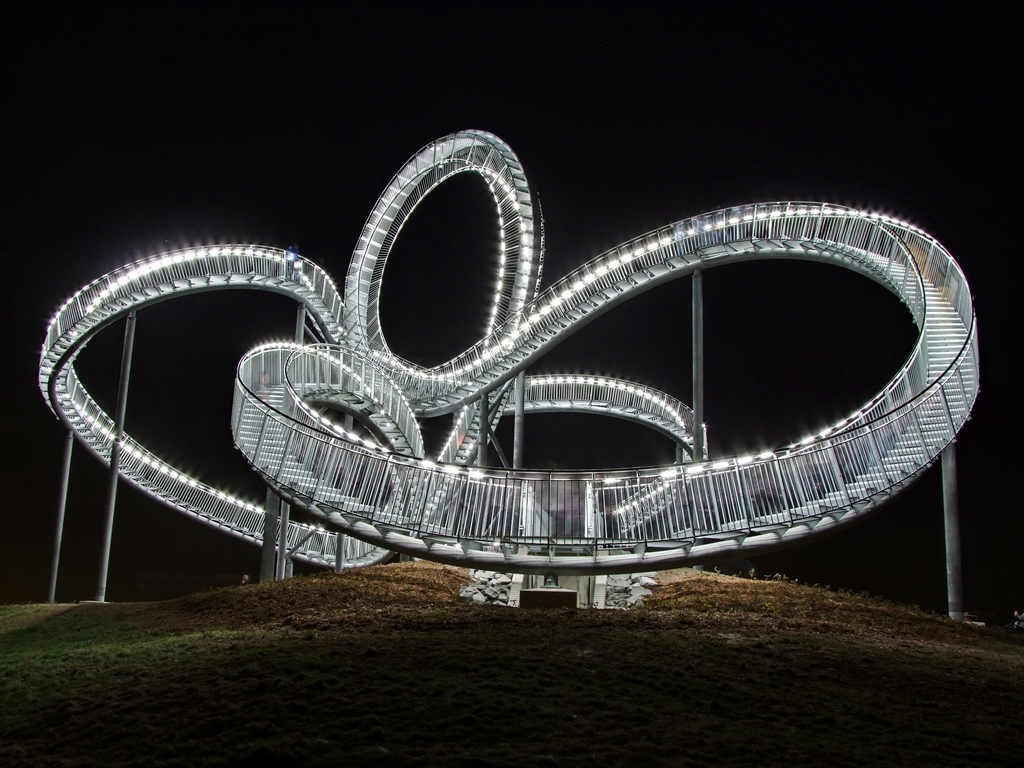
[293, 263]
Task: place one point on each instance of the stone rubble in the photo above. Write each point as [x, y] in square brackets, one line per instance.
[628, 590]
[487, 587]
[625, 591]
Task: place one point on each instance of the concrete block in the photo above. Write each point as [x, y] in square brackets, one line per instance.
[548, 598]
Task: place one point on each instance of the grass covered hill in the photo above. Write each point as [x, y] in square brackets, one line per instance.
[387, 666]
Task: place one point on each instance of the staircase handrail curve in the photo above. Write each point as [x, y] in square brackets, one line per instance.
[521, 261]
[649, 250]
[299, 410]
[158, 278]
[160, 480]
[134, 276]
[382, 390]
[643, 494]
[657, 405]
[662, 403]
[854, 425]
[889, 417]
[895, 266]
[581, 522]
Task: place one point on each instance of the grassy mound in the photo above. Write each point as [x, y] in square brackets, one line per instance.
[388, 666]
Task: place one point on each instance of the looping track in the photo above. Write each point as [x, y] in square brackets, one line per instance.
[383, 491]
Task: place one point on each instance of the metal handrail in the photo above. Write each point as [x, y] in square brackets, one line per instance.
[154, 279]
[586, 521]
[846, 469]
[852, 231]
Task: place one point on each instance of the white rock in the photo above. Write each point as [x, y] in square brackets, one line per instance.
[646, 581]
[479, 598]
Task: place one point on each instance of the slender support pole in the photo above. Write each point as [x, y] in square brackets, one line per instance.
[520, 421]
[65, 474]
[300, 325]
[481, 446]
[277, 511]
[497, 448]
[115, 455]
[350, 423]
[698, 367]
[954, 573]
[267, 554]
[680, 453]
[339, 555]
[282, 541]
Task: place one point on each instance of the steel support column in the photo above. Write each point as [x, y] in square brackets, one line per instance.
[481, 445]
[698, 366]
[280, 570]
[520, 421]
[300, 325]
[62, 500]
[115, 455]
[282, 541]
[954, 573]
[268, 553]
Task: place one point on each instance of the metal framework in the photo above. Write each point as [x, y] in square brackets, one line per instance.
[383, 492]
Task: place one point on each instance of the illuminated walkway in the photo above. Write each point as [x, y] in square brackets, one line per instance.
[379, 487]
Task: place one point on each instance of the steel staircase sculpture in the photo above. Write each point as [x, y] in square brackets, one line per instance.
[379, 487]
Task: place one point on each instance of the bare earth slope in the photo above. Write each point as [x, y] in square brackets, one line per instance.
[387, 666]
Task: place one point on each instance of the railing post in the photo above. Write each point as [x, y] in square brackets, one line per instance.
[840, 481]
[339, 554]
[698, 365]
[115, 455]
[62, 499]
[954, 573]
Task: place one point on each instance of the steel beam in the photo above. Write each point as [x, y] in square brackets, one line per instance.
[282, 541]
[300, 324]
[954, 572]
[115, 455]
[267, 554]
[481, 444]
[62, 500]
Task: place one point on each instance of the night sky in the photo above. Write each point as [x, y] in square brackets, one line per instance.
[129, 130]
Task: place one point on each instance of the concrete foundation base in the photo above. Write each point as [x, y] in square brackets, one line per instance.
[548, 598]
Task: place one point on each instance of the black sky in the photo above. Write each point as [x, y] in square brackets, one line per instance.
[131, 130]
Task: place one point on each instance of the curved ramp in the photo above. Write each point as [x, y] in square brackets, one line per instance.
[158, 279]
[379, 487]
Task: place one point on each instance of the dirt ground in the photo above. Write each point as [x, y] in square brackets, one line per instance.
[388, 666]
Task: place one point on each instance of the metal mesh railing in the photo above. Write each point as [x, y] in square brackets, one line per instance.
[871, 244]
[619, 510]
[189, 270]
